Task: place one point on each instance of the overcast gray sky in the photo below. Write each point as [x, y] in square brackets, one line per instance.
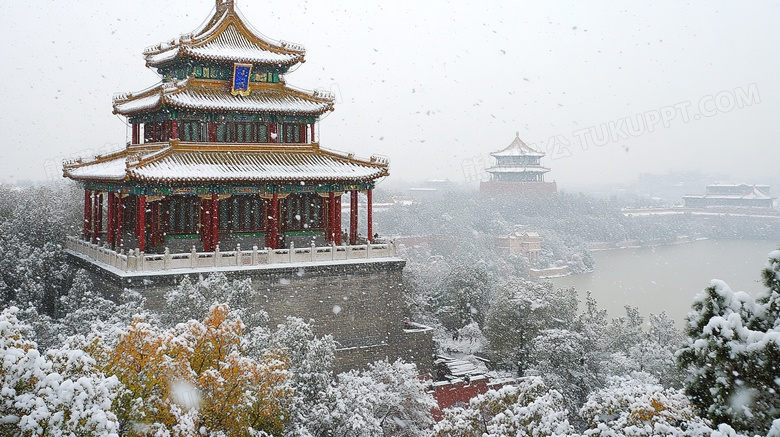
[435, 85]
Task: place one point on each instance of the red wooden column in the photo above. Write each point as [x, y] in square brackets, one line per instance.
[99, 217]
[174, 129]
[212, 131]
[370, 219]
[141, 223]
[331, 230]
[214, 221]
[311, 127]
[110, 220]
[353, 217]
[87, 214]
[136, 133]
[337, 220]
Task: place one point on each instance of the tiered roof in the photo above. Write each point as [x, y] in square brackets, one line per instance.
[207, 95]
[225, 37]
[518, 148]
[179, 162]
[518, 157]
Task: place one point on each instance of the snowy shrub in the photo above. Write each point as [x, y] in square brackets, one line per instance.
[637, 405]
[529, 408]
[60, 393]
[385, 399]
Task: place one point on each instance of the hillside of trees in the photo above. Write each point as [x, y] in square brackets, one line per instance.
[79, 362]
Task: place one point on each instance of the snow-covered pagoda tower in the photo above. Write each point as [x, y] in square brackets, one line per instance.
[222, 152]
[518, 171]
[224, 173]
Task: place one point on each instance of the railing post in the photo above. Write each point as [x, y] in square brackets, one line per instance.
[313, 251]
[141, 259]
[332, 250]
[239, 256]
[348, 251]
[167, 259]
[254, 255]
[290, 252]
[193, 257]
[216, 255]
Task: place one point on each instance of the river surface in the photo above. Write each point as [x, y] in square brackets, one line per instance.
[667, 278]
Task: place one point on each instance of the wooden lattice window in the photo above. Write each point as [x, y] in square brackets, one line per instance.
[191, 131]
[182, 214]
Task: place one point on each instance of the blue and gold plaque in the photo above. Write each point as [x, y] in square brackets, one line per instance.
[241, 74]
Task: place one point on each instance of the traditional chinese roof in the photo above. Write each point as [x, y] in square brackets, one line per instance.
[206, 95]
[176, 162]
[225, 37]
[518, 148]
[749, 192]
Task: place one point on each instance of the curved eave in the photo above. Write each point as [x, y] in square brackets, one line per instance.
[183, 53]
[277, 100]
[133, 175]
[166, 53]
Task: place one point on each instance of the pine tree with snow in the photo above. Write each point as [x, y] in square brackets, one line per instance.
[733, 355]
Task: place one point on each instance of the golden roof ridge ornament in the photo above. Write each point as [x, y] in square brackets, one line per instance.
[222, 5]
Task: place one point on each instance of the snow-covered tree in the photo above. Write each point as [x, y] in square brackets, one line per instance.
[520, 310]
[385, 399]
[529, 408]
[191, 299]
[196, 376]
[651, 350]
[60, 393]
[732, 355]
[310, 361]
[637, 405]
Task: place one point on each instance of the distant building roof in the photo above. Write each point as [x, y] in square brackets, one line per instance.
[518, 148]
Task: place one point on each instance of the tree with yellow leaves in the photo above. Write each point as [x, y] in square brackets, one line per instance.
[195, 378]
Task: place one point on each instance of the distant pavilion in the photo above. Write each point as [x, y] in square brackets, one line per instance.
[518, 172]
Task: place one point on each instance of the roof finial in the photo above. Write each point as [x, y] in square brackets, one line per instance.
[517, 134]
[224, 4]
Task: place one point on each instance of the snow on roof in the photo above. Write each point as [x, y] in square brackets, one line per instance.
[191, 94]
[231, 45]
[517, 169]
[139, 104]
[226, 37]
[276, 101]
[189, 163]
[518, 148]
